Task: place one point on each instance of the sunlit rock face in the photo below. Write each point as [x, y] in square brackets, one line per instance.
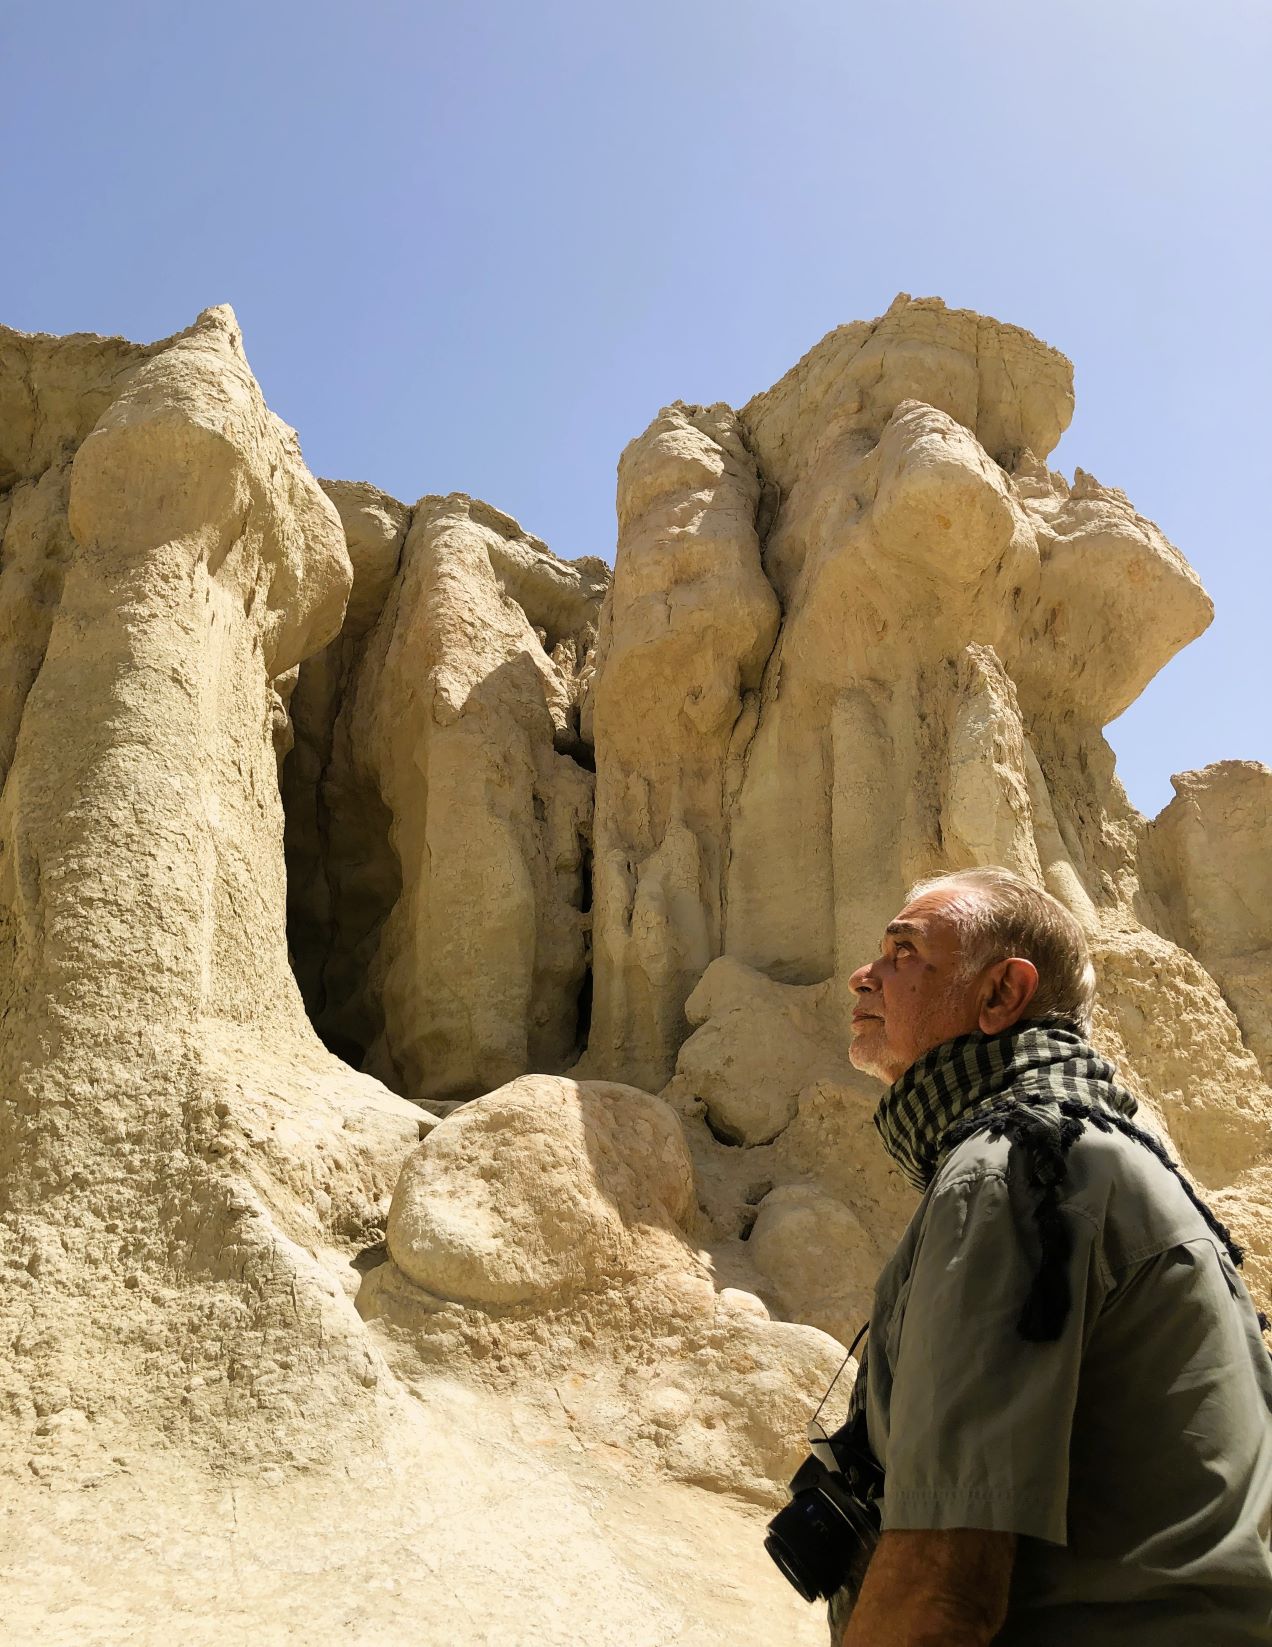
[575, 1262]
[860, 633]
[1211, 854]
[167, 561]
[423, 966]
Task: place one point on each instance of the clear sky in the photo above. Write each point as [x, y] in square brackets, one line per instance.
[475, 246]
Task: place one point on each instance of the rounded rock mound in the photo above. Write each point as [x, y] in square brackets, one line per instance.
[542, 1188]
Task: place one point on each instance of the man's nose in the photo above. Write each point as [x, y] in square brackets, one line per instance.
[863, 980]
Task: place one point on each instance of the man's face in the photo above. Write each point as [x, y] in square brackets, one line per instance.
[912, 997]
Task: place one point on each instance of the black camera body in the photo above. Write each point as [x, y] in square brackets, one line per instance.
[823, 1540]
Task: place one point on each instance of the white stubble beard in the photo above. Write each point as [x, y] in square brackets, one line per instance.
[861, 1060]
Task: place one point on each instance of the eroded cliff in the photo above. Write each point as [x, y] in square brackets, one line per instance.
[301, 848]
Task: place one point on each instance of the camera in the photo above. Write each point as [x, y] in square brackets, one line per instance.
[824, 1538]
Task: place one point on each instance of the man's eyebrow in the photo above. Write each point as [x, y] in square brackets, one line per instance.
[895, 928]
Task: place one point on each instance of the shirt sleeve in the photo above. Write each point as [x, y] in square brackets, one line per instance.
[979, 1418]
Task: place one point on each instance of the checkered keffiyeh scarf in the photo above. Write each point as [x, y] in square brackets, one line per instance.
[1041, 1062]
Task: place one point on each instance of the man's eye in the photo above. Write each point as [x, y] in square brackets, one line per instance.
[904, 948]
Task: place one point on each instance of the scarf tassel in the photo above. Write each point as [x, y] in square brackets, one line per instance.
[1045, 1148]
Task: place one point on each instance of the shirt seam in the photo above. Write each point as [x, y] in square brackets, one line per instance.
[998, 1175]
[989, 1495]
[983, 1175]
[1161, 1244]
[1038, 1513]
[1179, 1236]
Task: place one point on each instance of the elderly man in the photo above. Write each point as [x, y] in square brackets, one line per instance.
[1065, 1385]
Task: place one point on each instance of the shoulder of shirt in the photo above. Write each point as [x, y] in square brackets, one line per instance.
[1096, 1155]
[1115, 1185]
[978, 1159]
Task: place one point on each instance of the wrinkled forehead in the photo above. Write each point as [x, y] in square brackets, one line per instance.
[933, 917]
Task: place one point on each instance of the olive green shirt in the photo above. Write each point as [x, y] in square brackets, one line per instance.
[1133, 1457]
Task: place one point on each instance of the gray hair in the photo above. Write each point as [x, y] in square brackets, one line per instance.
[999, 915]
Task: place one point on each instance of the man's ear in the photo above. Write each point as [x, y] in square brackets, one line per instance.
[1008, 988]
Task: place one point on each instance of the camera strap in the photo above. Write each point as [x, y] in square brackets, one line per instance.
[851, 1349]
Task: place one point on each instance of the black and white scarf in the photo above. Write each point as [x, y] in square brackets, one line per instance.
[1039, 1084]
[1040, 1062]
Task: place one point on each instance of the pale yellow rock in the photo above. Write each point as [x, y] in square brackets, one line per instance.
[191, 1187]
[489, 1522]
[797, 1201]
[153, 1044]
[809, 1247]
[690, 622]
[570, 1266]
[758, 1045]
[958, 624]
[330, 1366]
[1211, 853]
[465, 722]
[1002, 384]
[375, 527]
[589, 1174]
[320, 798]
[52, 392]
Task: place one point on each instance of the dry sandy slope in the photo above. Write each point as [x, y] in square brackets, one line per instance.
[488, 1525]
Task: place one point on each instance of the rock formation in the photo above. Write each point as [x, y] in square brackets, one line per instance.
[440, 801]
[572, 1269]
[301, 851]
[1211, 857]
[176, 1145]
[957, 625]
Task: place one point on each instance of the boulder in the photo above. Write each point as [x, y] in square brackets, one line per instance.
[541, 1236]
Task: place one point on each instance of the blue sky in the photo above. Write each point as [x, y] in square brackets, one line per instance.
[476, 246]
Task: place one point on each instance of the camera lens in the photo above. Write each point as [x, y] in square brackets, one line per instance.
[811, 1541]
[789, 1567]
